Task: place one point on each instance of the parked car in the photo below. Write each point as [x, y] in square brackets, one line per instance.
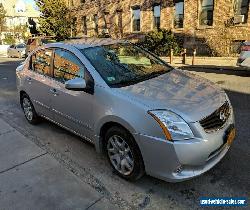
[244, 58]
[34, 42]
[16, 50]
[145, 115]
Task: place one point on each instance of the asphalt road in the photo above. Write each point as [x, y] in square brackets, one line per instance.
[229, 178]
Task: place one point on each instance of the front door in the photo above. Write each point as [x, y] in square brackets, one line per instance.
[72, 109]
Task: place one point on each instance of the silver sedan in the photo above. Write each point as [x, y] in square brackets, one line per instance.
[145, 115]
[16, 50]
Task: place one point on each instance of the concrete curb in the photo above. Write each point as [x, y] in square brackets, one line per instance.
[213, 67]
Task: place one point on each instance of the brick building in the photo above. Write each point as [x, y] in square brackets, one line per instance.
[217, 25]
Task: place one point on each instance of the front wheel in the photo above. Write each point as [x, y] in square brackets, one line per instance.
[29, 110]
[124, 154]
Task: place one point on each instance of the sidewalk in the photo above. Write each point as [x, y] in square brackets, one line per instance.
[32, 179]
[219, 63]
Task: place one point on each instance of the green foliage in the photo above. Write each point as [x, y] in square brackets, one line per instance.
[55, 18]
[9, 39]
[160, 42]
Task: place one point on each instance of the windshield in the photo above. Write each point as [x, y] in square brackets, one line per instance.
[21, 46]
[124, 64]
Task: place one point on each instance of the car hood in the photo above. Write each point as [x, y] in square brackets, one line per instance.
[186, 94]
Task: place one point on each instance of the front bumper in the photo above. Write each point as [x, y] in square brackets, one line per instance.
[181, 160]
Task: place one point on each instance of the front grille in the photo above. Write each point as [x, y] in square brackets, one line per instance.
[217, 119]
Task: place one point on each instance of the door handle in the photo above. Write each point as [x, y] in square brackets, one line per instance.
[53, 91]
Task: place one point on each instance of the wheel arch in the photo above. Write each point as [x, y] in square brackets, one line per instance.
[21, 93]
[107, 123]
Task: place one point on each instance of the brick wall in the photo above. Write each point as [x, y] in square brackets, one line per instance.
[217, 37]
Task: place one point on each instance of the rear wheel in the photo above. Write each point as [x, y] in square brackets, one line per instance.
[29, 110]
[123, 153]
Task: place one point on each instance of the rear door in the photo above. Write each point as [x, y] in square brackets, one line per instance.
[39, 85]
[72, 109]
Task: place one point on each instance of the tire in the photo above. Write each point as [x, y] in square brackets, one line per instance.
[123, 154]
[29, 110]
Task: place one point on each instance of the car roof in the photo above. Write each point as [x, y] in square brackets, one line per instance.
[87, 42]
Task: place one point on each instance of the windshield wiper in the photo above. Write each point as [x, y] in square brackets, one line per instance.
[154, 74]
[132, 81]
[123, 83]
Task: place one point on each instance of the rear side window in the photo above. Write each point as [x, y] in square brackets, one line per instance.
[67, 66]
[41, 62]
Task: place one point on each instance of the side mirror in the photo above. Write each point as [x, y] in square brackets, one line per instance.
[77, 84]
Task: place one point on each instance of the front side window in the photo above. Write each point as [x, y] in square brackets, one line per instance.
[179, 13]
[136, 19]
[157, 16]
[124, 64]
[41, 62]
[241, 8]
[206, 12]
[67, 66]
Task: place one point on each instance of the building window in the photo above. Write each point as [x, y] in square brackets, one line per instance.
[157, 16]
[96, 24]
[119, 21]
[206, 12]
[84, 24]
[179, 13]
[73, 26]
[136, 19]
[241, 8]
[106, 22]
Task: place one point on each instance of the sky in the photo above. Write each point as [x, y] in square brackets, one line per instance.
[30, 1]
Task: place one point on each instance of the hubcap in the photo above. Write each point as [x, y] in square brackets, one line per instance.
[120, 155]
[27, 108]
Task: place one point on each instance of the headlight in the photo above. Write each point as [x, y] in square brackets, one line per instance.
[173, 126]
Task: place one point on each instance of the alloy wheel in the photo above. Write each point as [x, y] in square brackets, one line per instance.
[27, 108]
[120, 155]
